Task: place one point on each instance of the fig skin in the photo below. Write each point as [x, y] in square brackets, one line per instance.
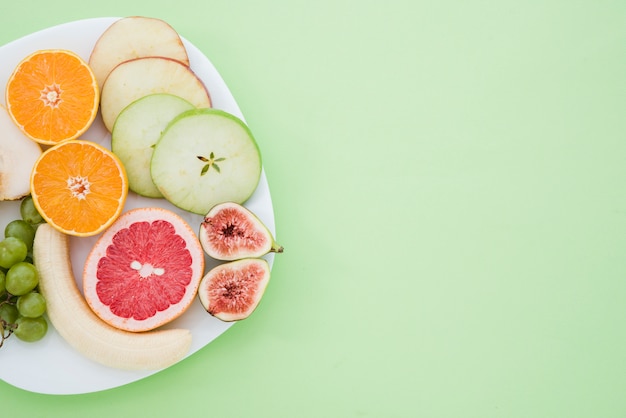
[232, 291]
[230, 232]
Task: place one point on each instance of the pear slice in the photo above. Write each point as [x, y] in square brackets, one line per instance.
[205, 157]
[137, 129]
[134, 37]
[139, 77]
[18, 155]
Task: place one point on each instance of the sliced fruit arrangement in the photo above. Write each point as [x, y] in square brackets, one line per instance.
[204, 157]
[230, 231]
[137, 56]
[144, 271]
[167, 142]
[135, 37]
[136, 132]
[139, 77]
[79, 187]
[22, 306]
[52, 96]
[18, 155]
[82, 329]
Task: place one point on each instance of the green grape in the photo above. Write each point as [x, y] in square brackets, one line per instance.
[21, 229]
[31, 329]
[3, 288]
[29, 211]
[31, 305]
[12, 250]
[21, 278]
[8, 313]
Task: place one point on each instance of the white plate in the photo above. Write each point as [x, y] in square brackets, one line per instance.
[51, 366]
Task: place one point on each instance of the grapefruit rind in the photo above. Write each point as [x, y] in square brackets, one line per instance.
[83, 330]
[95, 287]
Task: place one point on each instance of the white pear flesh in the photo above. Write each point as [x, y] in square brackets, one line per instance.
[18, 155]
[135, 37]
[139, 77]
[137, 129]
[205, 157]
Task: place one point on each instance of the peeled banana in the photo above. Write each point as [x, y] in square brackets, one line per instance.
[82, 329]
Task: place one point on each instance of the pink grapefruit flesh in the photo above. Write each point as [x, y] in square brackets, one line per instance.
[144, 271]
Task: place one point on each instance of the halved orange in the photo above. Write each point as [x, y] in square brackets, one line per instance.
[79, 187]
[52, 96]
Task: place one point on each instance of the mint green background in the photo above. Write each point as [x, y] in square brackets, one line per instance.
[449, 182]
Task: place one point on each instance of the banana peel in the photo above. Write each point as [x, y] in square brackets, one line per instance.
[72, 318]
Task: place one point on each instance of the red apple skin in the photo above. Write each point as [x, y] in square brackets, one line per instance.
[135, 37]
[138, 77]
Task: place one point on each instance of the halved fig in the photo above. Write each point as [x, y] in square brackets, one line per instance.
[230, 231]
[232, 291]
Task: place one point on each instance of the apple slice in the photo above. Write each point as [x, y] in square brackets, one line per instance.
[139, 77]
[18, 155]
[135, 37]
[206, 157]
[137, 129]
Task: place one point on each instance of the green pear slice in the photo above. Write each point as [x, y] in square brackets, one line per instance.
[139, 77]
[205, 157]
[137, 129]
[18, 155]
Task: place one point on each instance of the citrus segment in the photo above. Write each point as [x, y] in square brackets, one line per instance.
[52, 96]
[144, 271]
[79, 187]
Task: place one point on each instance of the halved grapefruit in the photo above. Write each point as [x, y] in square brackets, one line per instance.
[144, 271]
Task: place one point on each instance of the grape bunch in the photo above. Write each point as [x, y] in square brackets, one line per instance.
[21, 305]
